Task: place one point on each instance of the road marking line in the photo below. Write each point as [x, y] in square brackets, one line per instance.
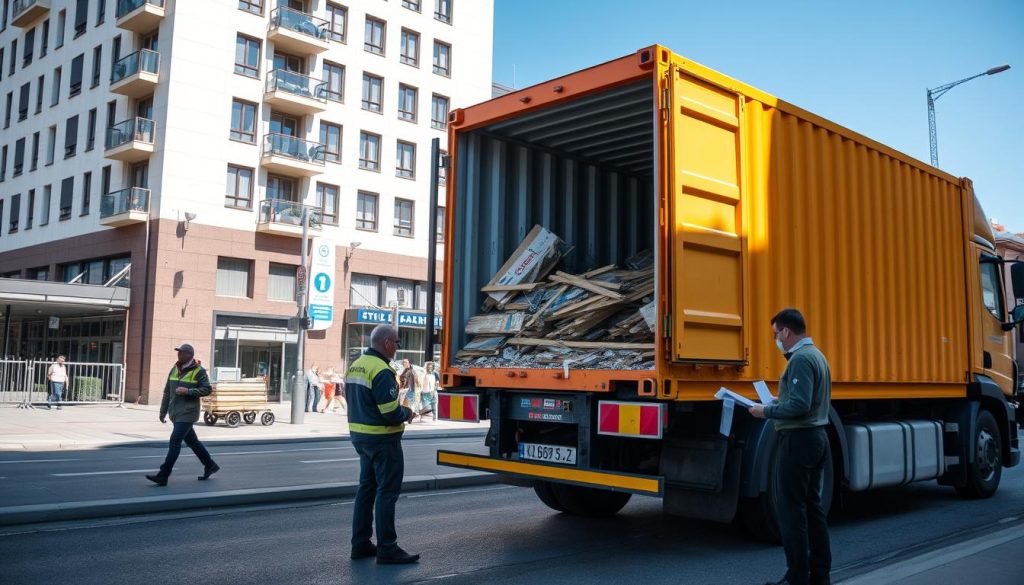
[928, 561]
[36, 461]
[330, 460]
[99, 473]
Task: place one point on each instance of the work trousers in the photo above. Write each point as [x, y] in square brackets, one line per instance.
[183, 431]
[803, 454]
[381, 467]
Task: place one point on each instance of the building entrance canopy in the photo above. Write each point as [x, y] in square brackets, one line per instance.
[38, 297]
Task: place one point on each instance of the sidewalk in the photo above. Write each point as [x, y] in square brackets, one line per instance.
[993, 559]
[94, 426]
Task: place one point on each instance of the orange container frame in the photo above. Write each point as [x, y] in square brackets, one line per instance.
[878, 266]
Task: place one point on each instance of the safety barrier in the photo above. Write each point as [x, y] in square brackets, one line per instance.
[25, 382]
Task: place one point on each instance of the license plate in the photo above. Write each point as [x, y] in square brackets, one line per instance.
[548, 453]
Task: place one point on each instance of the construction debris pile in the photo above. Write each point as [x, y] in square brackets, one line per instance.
[535, 316]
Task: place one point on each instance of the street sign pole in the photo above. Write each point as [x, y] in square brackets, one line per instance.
[299, 389]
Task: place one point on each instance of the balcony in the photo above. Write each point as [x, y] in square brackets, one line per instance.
[124, 207]
[297, 32]
[130, 141]
[284, 218]
[25, 12]
[292, 156]
[294, 93]
[137, 74]
[139, 16]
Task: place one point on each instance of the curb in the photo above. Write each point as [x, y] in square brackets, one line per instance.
[150, 443]
[37, 513]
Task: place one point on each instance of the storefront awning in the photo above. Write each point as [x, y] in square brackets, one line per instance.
[35, 297]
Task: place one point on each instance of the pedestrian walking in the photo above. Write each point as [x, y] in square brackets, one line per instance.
[429, 394]
[186, 384]
[313, 389]
[375, 420]
[57, 379]
[337, 392]
[800, 415]
[408, 385]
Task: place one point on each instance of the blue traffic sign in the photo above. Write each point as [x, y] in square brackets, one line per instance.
[322, 282]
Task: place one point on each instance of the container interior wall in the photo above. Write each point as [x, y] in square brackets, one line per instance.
[505, 186]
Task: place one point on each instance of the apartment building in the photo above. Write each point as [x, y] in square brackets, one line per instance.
[172, 146]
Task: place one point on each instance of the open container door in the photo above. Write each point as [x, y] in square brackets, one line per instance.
[708, 257]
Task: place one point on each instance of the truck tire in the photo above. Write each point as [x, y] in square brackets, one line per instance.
[546, 493]
[757, 515]
[581, 501]
[984, 473]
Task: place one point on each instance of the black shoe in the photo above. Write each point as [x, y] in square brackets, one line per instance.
[364, 552]
[208, 471]
[399, 557]
[157, 479]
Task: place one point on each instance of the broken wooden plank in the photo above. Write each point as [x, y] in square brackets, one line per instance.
[527, 286]
[585, 285]
[599, 271]
[497, 323]
[604, 283]
[579, 344]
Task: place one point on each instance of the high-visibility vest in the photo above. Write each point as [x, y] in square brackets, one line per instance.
[365, 414]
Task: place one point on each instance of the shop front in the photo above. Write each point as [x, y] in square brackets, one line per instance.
[256, 348]
[412, 329]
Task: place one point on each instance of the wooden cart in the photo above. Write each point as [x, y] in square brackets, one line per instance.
[237, 401]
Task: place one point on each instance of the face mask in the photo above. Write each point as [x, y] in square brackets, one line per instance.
[778, 344]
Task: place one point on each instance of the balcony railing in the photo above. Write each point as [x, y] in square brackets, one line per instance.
[295, 148]
[22, 6]
[289, 212]
[140, 61]
[299, 22]
[124, 201]
[132, 130]
[127, 6]
[296, 84]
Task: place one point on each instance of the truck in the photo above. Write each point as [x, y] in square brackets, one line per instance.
[747, 204]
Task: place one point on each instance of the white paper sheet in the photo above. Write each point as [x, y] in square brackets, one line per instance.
[724, 393]
[763, 393]
[725, 426]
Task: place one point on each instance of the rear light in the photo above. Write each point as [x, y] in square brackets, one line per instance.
[631, 419]
[458, 407]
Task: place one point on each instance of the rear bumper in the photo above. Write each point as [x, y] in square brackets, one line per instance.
[647, 485]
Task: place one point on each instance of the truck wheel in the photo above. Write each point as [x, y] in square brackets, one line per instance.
[267, 419]
[757, 515]
[249, 417]
[209, 419]
[233, 419]
[581, 501]
[546, 493]
[984, 473]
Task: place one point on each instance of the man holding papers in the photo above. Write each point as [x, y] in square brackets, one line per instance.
[800, 415]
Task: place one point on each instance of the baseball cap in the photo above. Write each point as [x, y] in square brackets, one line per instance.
[187, 348]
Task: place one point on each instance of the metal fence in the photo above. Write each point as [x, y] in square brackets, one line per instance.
[24, 382]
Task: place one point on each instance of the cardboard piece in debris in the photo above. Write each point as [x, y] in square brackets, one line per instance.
[540, 246]
[496, 323]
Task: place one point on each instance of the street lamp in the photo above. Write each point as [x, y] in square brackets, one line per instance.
[937, 92]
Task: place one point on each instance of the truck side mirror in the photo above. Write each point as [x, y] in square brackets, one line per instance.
[1017, 279]
[1016, 318]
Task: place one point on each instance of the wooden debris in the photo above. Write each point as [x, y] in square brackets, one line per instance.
[579, 344]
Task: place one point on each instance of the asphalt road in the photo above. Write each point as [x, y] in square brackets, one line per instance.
[493, 534]
[118, 472]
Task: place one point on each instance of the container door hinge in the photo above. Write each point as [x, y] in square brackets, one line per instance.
[666, 326]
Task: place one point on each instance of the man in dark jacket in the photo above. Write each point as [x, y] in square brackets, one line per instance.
[186, 383]
[375, 422]
[800, 416]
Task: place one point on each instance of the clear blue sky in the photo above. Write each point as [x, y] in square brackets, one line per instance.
[863, 64]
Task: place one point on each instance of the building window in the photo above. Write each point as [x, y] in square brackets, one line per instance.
[28, 48]
[75, 87]
[71, 137]
[233, 277]
[369, 151]
[13, 62]
[40, 273]
[327, 198]
[405, 160]
[366, 211]
[39, 93]
[443, 11]
[44, 42]
[23, 99]
[19, 156]
[1, 62]
[3, 163]
[247, 56]
[90, 132]
[35, 152]
[373, 93]
[403, 218]
[86, 193]
[442, 168]
[44, 215]
[51, 145]
[439, 112]
[411, 4]
[334, 79]
[243, 121]
[12, 228]
[67, 197]
[399, 292]
[365, 290]
[407, 102]
[101, 12]
[105, 180]
[375, 33]
[55, 88]
[439, 234]
[410, 48]
[239, 188]
[9, 109]
[253, 6]
[31, 211]
[282, 188]
[337, 17]
[330, 137]
[281, 282]
[62, 19]
[97, 64]
[442, 59]
[81, 17]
